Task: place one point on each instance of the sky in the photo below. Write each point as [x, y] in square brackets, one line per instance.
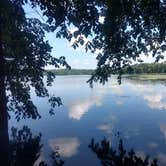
[77, 59]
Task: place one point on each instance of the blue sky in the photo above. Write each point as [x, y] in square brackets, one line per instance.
[78, 58]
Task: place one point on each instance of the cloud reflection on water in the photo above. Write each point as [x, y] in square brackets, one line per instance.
[78, 108]
[162, 158]
[163, 129]
[152, 145]
[106, 128]
[66, 146]
[155, 97]
[155, 101]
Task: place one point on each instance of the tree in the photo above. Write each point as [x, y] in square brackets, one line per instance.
[130, 28]
[144, 68]
[24, 53]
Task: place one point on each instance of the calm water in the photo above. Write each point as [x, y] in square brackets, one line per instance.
[137, 110]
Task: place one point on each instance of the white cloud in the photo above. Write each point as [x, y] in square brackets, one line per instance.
[155, 101]
[66, 146]
[163, 129]
[155, 98]
[116, 89]
[107, 128]
[119, 102]
[79, 108]
[87, 62]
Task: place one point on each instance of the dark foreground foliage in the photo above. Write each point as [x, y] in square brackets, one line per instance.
[110, 157]
[25, 150]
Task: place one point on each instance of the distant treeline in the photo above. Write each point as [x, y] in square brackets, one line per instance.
[73, 71]
[145, 68]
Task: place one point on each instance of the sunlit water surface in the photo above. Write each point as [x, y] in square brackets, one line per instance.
[137, 110]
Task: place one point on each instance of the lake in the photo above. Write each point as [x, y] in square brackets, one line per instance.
[136, 110]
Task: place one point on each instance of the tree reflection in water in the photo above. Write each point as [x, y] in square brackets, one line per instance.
[24, 147]
[110, 157]
[25, 150]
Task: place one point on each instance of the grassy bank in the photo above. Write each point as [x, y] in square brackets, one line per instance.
[147, 77]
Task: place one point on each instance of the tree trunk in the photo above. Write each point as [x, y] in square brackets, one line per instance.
[4, 138]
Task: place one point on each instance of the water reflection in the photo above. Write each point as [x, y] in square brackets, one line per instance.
[153, 94]
[26, 150]
[130, 109]
[67, 147]
[111, 157]
[79, 107]
[116, 89]
[155, 101]
[163, 129]
[109, 124]
[162, 158]
[152, 145]
[106, 128]
[24, 147]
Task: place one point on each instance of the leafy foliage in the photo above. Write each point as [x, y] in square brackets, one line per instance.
[130, 28]
[26, 54]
